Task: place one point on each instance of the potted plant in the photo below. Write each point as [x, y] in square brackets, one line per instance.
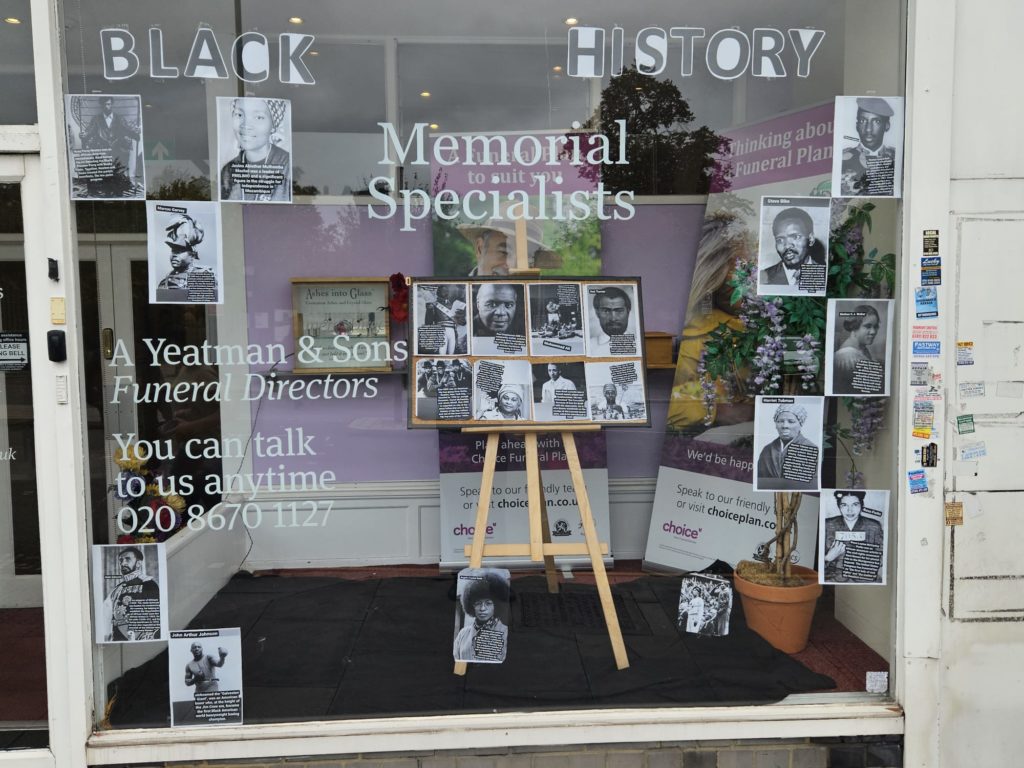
[778, 351]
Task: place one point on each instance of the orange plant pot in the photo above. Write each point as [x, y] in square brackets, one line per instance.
[781, 615]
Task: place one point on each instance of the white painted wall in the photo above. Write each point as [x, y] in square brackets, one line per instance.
[981, 690]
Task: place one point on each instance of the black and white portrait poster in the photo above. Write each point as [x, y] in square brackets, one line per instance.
[616, 392]
[204, 668]
[560, 391]
[858, 347]
[444, 389]
[556, 319]
[852, 537]
[867, 151]
[129, 592]
[787, 442]
[440, 322]
[499, 319]
[184, 253]
[792, 257]
[105, 154]
[705, 602]
[501, 390]
[482, 615]
[613, 329]
[254, 150]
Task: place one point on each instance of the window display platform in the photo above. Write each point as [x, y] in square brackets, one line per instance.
[379, 642]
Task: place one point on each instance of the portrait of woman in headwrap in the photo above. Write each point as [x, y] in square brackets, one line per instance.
[262, 170]
[789, 421]
[507, 405]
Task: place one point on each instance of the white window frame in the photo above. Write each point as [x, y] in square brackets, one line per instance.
[61, 437]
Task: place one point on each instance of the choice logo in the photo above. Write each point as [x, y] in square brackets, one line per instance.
[561, 529]
[469, 530]
[681, 530]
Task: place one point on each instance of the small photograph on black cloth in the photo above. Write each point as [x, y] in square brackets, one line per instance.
[705, 602]
[481, 615]
[209, 692]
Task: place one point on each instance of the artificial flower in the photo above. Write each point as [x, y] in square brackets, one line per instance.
[128, 458]
[175, 502]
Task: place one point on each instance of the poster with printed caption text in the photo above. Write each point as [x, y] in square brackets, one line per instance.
[482, 615]
[867, 150]
[105, 148]
[254, 150]
[183, 247]
[204, 668]
[612, 320]
[858, 347]
[556, 319]
[788, 433]
[853, 536]
[130, 592]
[793, 250]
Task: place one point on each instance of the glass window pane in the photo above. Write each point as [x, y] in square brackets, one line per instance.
[297, 514]
[17, 68]
[23, 714]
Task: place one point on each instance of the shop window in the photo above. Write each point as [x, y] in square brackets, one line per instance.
[302, 540]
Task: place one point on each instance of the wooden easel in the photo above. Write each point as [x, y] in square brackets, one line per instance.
[540, 546]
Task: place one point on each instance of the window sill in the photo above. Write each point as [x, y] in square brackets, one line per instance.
[798, 716]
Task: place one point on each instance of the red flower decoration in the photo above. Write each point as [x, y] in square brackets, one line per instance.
[398, 306]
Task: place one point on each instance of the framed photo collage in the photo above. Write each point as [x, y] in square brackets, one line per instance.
[527, 351]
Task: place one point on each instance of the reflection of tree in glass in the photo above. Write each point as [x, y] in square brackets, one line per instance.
[453, 253]
[194, 188]
[579, 242]
[665, 156]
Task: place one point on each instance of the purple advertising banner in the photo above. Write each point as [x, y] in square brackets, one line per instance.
[790, 146]
[462, 459]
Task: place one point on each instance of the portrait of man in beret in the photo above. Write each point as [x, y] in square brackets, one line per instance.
[869, 168]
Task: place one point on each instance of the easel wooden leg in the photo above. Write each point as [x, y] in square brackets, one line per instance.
[549, 560]
[604, 590]
[533, 492]
[483, 508]
[540, 532]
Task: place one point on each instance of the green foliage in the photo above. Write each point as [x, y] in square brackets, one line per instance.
[579, 243]
[805, 316]
[453, 253]
[851, 272]
[666, 157]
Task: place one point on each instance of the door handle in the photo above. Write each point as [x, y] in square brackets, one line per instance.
[107, 343]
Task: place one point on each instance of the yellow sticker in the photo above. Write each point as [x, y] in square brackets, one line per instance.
[954, 513]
